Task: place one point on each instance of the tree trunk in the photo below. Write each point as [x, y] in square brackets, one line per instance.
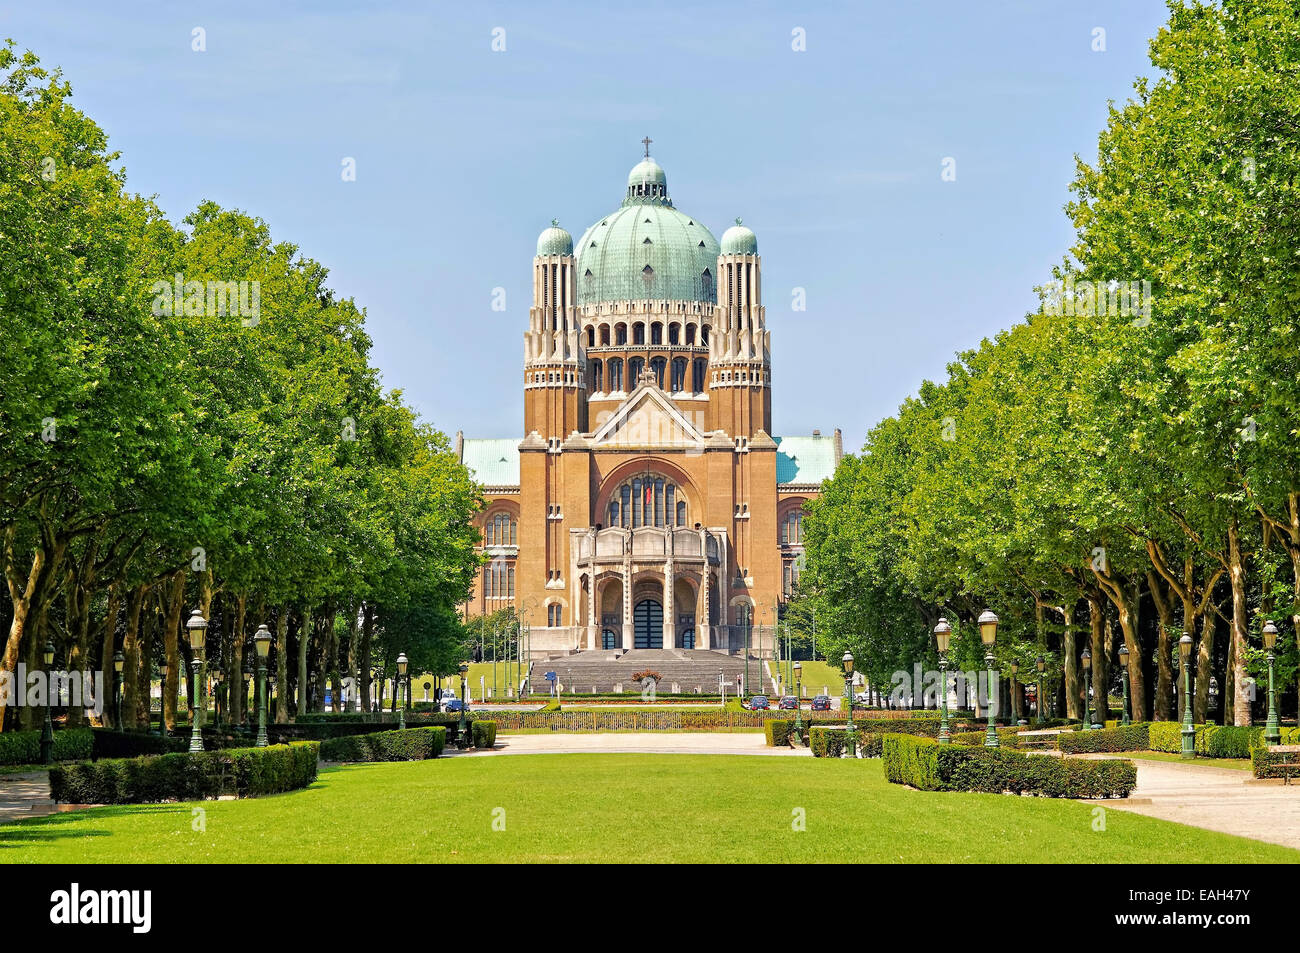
[363, 653]
[1165, 687]
[1073, 685]
[21, 597]
[131, 652]
[332, 664]
[1204, 668]
[1237, 576]
[239, 697]
[1100, 670]
[108, 648]
[282, 668]
[306, 632]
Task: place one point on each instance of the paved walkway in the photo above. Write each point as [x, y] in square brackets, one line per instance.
[657, 742]
[1218, 799]
[25, 795]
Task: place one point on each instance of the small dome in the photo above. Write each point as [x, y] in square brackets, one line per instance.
[554, 241]
[739, 240]
[647, 172]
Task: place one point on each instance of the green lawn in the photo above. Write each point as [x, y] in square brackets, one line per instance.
[1241, 764]
[816, 676]
[666, 808]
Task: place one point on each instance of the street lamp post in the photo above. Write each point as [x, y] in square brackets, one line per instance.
[197, 627]
[1123, 674]
[943, 638]
[1189, 731]
[462, 739]
[379, 689]
[119, 660]
[745, 617]
[988, 625]
[850, 741]
[1086, 661]
[401, 679]
[798, 700]
[47, 729]
[262, 643]
[1041, 664]
[1272, 733]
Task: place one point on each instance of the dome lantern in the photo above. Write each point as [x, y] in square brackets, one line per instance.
[554, 241]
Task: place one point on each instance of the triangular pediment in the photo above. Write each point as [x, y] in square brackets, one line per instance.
[648, 418]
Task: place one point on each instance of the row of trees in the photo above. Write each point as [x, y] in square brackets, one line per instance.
[1124, 465]
[189, 418]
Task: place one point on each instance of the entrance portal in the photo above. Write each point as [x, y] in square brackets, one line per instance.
[648, 619]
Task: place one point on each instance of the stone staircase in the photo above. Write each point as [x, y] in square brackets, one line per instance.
[602, 670]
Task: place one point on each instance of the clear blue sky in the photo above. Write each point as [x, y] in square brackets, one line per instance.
[833, 157]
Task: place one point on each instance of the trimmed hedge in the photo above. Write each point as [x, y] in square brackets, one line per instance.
[1215, 741]
[828, 742]
[131, 744]
[483, 733]
[243, 772]
[405, 744]
[1008, 736]
[930, 766]
[24, 747]
[780, 731]
[1121, 738]
[1271, 763]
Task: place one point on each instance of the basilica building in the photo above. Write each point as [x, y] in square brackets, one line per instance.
[648, 504]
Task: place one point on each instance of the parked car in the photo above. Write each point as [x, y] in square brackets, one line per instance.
[821, 703]
[452, 703]
[758, 703]
[788, 703]
[862, 698]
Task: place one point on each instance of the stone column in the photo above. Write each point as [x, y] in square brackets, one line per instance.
[670, 621]
[702, 630]
[593, 627]
[628, 631]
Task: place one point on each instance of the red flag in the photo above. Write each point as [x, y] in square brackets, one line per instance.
[649, 494]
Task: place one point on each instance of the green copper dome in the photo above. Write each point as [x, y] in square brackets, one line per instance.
[739, 240]
[646, 249]
[554, 241]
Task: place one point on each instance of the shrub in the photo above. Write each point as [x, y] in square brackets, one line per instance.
[242, 772]
[826, 742]
[1268, 762]
[1121, 738]
[1165, 736]
[1008, 737]
[24, 747]
[930, 766]
[408, 744]
[777, 732]
[130, 744]
[483, 733]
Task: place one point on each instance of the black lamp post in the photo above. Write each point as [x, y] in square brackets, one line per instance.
[118, 661]
[1123, 674]
[262, 644]
[1085, 660]
[988, 625]
[379, 690]
[47, 729]
[462, 738]
[1041, 664]
[197, 627]
[1272, 732]
[401, 680]
[1015, 684]
[850, 741]
[943, 638]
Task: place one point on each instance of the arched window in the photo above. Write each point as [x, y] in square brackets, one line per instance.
[635, 365]
[690, 335]
[657, 365]
[679, 374]
[638, 333]
[792, 528]
[591, 337]
[674, 334]
[616, 374]
[647, 500]
[656, 333]
[704, 337]
[604, 335]
[596, 372]
[698, 369]
[501, 530]
[620, 334]
[554, 613]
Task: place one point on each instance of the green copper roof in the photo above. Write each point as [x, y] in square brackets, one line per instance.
[647, 249]
[493, 462]
[805, 459]
[739, 240]
[554, 241]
